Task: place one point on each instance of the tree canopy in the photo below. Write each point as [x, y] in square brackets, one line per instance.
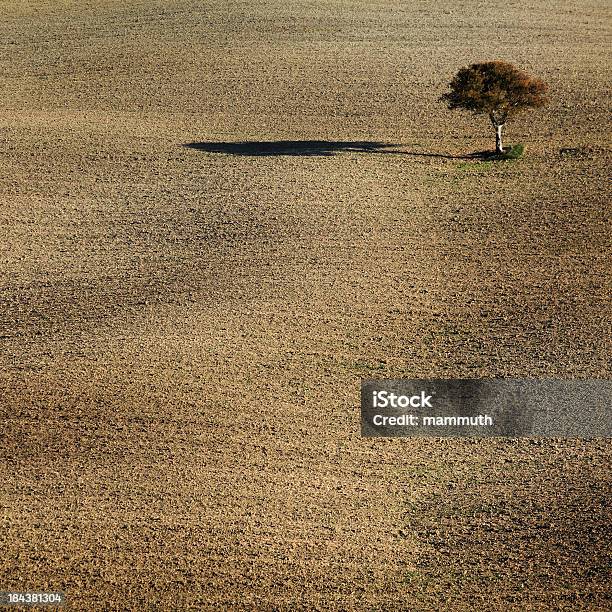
[497, 88]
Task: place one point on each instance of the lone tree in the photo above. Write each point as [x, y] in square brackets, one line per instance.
[498, 89]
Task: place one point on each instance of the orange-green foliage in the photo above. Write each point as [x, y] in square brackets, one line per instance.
[497, 88]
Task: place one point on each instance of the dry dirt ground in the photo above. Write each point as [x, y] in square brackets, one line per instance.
[185, 328]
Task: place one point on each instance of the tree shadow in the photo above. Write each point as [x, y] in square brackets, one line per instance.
[476, 155]
[309, 148]
[289, 147]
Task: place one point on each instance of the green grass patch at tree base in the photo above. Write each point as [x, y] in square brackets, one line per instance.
[514, 152]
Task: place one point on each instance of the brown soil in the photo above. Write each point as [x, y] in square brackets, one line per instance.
[185, 328]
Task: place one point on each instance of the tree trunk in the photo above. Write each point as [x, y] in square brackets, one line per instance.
[499, 148]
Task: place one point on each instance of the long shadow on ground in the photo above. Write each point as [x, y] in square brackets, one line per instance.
[316, 147]
[289, 147]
